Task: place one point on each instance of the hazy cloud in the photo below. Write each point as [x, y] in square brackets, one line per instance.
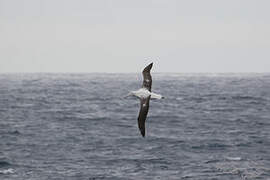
[123, 36]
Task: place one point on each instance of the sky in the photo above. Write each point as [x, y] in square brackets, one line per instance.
[121, 36]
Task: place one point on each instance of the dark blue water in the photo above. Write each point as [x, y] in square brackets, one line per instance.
[78, 126]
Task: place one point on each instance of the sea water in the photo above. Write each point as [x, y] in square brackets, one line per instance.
[79, 126]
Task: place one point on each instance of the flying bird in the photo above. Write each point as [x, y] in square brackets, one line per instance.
[145, 94]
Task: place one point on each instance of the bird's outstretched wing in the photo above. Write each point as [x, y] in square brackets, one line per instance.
[143, 114]
[147, 79]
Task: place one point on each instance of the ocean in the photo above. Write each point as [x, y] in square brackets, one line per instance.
[79, 127]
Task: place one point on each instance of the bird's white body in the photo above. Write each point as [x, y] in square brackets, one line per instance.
[144, 93]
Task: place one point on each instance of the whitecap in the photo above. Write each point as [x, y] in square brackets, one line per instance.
[179, 98]
[234, 158]
[7, 171]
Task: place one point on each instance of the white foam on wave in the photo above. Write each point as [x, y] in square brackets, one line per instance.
[179, 98]
[7, 171]
[234, 158]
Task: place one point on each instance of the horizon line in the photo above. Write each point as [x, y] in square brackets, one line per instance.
[134, 72]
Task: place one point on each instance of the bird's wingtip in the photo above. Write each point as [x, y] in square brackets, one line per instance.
[150, 65]
[148, 68]
[143, 133]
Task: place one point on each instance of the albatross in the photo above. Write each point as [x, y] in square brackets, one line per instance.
[145, 94]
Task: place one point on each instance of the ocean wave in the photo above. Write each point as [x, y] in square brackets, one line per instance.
[242, 97]
[7, 171]
[79, 125]
[4, 164]
[234, 158]
[211, 146]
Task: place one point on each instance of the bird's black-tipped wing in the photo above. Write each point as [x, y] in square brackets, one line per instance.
[147, 79]
[143, 113]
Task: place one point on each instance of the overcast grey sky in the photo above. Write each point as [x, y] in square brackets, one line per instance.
[125, 35]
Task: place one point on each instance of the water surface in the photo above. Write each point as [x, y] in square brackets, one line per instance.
[78, 126]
